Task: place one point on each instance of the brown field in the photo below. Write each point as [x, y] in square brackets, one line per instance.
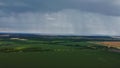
[111, 44]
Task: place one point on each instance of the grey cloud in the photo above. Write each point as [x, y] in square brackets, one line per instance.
[77, 17]
[68, 21]
[107, 7]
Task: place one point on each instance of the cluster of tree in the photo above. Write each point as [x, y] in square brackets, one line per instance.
[89, 46]
[29, 49]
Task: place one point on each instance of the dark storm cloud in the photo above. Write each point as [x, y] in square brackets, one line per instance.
[107, 7]
[76, 17]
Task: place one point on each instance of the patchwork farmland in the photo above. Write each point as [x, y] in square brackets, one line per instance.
[114, 44]
[56, 52]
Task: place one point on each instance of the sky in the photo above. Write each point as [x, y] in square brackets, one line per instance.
[60, 17]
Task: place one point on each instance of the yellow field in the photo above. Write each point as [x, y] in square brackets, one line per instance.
[111, 44]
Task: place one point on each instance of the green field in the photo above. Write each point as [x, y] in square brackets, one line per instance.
[55, 53]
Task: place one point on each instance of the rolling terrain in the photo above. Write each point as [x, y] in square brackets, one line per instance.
[44, 51]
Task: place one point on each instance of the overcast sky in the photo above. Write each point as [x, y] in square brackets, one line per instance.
[62, 17]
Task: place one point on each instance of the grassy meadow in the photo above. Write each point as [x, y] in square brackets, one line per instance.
[55, 53]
